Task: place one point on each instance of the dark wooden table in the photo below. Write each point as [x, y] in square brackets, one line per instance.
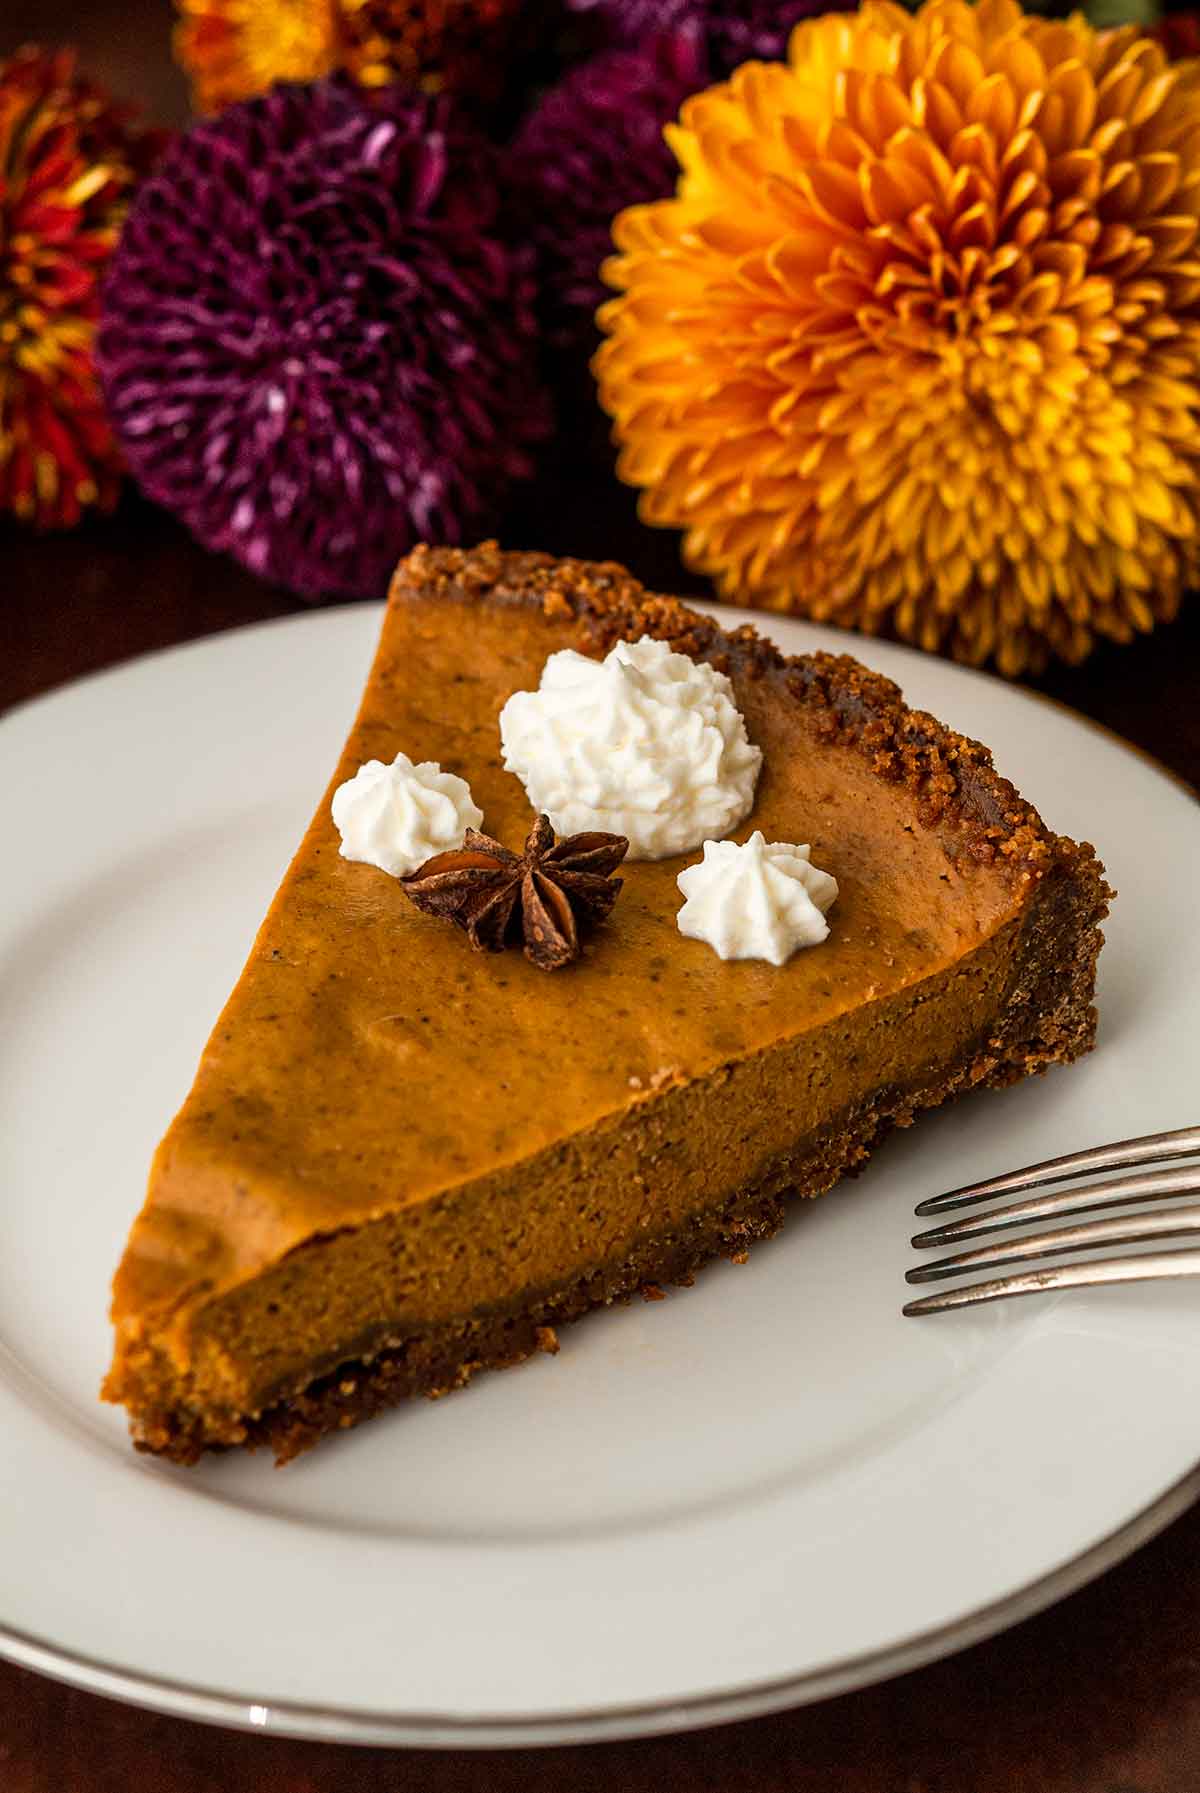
[1099, 1695]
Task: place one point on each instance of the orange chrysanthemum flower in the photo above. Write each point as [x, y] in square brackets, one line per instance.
[916, 346]
[233, 49]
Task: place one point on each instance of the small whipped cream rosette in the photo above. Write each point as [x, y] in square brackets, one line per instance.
[756, 901]
[646, 743]
[398, 816]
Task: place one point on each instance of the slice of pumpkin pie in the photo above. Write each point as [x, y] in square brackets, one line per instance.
[404, 1160]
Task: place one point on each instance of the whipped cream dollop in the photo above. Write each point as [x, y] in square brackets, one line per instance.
[757, 901]
[398, 816]
[646, 742]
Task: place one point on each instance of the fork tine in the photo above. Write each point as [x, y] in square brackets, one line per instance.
[1150, 1148]
[1152, 1266]
[1184, 1180]
[1116, 1229]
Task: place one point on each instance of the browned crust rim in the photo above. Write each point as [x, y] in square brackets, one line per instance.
[953, 778]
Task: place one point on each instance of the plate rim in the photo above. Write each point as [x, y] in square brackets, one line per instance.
[433, 1730]
[445, 1730]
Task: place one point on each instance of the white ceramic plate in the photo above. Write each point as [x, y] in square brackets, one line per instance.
[759, 1491]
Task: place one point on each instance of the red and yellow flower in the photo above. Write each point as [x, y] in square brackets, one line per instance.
[69, 161]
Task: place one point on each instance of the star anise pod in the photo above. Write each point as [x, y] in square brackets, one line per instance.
[544, 895]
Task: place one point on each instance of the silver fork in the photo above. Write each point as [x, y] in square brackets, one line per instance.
[1117, 1229]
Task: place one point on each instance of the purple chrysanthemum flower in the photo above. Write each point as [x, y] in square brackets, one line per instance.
[733, 31]
[591, 146]
[316, 346]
